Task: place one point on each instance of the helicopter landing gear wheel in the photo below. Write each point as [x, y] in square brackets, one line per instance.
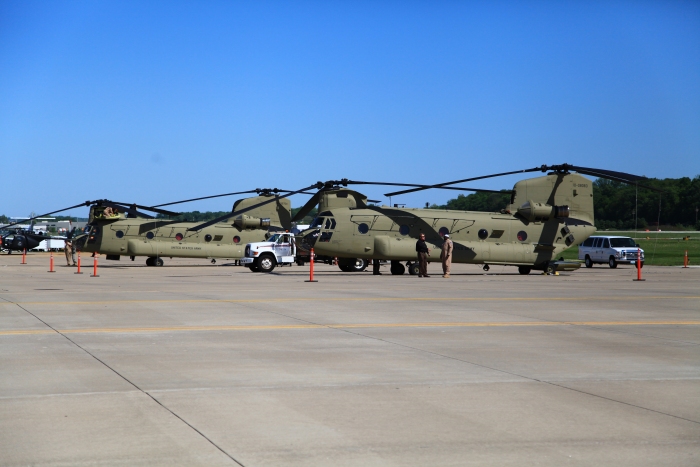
[266, 263]
[524, 270]
[153, 261]
[612, 263]
[588, 261]
[353, 265]
[413, 268]
[486, 268]
[397, 268]
[549, 268]
[359, 265]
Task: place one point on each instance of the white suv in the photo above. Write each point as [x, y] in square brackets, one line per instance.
[610, 249]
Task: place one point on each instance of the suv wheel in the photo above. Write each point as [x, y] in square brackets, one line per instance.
[589, 262]
[612, 263]
[266, 263]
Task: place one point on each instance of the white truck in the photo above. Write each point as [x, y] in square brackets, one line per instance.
[279, 249]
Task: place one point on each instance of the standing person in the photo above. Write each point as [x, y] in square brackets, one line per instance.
[446, 256]
[74, 247]
[423, 252]
[375, 267]
[69, 252]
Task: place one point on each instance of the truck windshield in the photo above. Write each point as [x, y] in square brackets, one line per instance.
[622, 243]
[274, 238]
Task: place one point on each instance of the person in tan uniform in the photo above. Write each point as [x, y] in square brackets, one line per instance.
[69, 252]
[446, 256]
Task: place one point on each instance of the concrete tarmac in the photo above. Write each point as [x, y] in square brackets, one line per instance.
[199, 364]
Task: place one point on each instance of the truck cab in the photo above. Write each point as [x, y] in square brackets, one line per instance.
[279, 249]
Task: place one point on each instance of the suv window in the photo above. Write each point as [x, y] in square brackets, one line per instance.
[597, 242]
[606, 243]
[588, 242]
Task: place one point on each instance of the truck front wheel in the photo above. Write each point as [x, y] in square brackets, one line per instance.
[266, 263]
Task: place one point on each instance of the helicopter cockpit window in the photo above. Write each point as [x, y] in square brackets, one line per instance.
[318, 222]
[330, 223]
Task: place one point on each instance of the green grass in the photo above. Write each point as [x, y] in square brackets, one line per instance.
[660, 248]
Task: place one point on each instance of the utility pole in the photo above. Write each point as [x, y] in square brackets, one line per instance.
[636, 187]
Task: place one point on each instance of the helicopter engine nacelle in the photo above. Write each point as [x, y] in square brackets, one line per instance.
[246, 222]
[531, 211]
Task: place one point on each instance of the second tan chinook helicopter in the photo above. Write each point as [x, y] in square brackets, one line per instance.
[119, 229]
[546, 215]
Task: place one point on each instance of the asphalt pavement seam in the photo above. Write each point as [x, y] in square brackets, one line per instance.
[128, 381]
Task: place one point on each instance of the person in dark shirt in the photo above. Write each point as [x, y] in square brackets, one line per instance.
[423, 252]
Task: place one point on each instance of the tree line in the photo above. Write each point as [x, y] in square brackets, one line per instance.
[616, 203]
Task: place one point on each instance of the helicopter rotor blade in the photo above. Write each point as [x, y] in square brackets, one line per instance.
[206, 197]
[249, 208]
[306, 208]
[257, 190]
[599, 173]
[623, 177]
[149, 208]
[86, 203]
[440, 185]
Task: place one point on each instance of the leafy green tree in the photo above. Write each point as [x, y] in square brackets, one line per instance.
[308, 218]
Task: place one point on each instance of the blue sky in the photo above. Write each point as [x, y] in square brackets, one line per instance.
[152, 102]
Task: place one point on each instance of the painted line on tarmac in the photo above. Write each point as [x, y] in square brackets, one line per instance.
[367, 299]
[285, 327]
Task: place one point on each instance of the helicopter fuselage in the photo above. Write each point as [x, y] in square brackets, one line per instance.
[147, 237]
[478, 237]
[546, 216]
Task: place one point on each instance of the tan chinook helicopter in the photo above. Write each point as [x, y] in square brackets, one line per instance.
[119, 229]
[546, 215]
